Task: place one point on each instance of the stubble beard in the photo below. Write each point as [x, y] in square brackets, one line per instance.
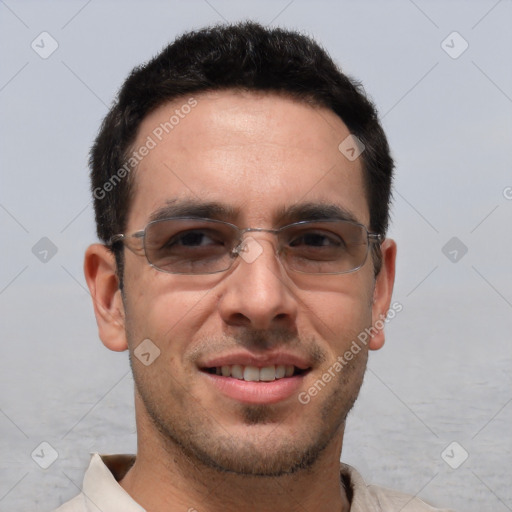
[201, 440]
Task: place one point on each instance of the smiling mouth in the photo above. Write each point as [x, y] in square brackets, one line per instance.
[256, 374]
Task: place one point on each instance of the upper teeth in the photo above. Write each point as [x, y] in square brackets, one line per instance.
[254, 374]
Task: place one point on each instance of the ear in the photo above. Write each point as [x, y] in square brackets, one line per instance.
[382, 292]
[100, 274]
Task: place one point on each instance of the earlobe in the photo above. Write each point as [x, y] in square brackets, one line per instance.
[382, 293]
[100, 274]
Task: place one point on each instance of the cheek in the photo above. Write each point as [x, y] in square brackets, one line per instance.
[340, 313]
[347, 324]
[164, 310]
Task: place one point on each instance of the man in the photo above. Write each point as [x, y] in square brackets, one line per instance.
[242, 187]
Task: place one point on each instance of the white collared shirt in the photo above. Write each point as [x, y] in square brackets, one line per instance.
[101, 491]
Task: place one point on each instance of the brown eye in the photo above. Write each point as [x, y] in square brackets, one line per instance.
[192, 239]
[317, 239]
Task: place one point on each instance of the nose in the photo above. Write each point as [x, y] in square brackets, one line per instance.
[257, 292]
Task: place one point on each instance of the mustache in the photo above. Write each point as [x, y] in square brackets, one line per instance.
[261, 341]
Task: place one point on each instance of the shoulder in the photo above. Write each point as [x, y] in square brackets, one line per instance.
[389, 499]
[77, 504]
[366, 498]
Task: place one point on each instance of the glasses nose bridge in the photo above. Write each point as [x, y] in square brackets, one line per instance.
[257, 230]
[242, 232]
[242, 240]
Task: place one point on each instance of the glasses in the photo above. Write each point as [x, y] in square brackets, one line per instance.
[183, 245]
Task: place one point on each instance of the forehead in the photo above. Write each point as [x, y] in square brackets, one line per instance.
[258, 154]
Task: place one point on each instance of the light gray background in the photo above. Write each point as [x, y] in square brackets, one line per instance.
[444, 373]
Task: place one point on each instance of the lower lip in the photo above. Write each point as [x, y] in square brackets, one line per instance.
[257, 392]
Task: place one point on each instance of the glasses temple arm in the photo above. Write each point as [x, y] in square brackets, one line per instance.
[375, 238]
[126, 240]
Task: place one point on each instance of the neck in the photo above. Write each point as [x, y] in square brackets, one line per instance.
[164, 478]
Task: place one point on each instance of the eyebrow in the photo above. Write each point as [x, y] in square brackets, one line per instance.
[314, 211]
[194, 208]
[222, 211]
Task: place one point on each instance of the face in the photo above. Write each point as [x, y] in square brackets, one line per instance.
[257, 158]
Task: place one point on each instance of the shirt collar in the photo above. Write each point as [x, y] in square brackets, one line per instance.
[103, 493]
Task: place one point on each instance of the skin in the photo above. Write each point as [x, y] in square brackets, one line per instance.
[196, 447]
